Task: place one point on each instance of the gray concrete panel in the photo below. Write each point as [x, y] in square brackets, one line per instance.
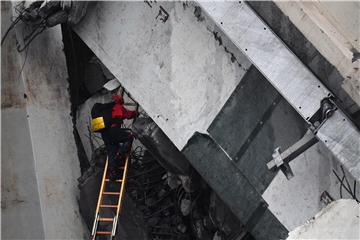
[227, 181]
[253, 122]
[283, 128]
[242, 112]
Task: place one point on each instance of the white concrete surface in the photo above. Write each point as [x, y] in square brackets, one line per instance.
[338, 220]
[175, 69]
[41, 162]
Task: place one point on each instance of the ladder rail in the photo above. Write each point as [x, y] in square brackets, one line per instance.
[118, 206]
[122, 185]
[120, 196]
[99, 200]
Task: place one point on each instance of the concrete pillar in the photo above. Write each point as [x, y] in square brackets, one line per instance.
[40, 166]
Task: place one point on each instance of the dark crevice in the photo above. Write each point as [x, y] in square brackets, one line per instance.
[198, 14]
[75, 50]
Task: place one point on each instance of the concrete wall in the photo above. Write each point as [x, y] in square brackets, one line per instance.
[40, 166]
[177, 60]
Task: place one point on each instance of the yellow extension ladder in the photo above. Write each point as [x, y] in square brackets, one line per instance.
[101, 205]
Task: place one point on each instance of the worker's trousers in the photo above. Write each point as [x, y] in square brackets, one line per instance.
[117, 153]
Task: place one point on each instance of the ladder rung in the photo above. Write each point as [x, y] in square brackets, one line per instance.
[108, 206]
[106, 219]
[111, 193]
[103, 233]
[107, 180]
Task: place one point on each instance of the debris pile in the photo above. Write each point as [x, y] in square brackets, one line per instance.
[148, 187]
[177, 206]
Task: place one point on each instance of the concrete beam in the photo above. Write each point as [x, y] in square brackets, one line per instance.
[333, 28]
[176, 59]
[288, 75]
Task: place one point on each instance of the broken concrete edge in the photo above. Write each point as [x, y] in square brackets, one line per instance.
[338, 220]
[233, 187]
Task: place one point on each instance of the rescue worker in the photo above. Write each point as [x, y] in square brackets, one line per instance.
[108, 119]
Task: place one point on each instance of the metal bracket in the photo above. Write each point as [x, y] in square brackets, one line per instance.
[327, 109]
[281, 160]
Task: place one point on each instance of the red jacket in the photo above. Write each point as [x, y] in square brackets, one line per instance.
[119, 111]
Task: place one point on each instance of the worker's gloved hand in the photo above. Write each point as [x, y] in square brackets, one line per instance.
[118, 99]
